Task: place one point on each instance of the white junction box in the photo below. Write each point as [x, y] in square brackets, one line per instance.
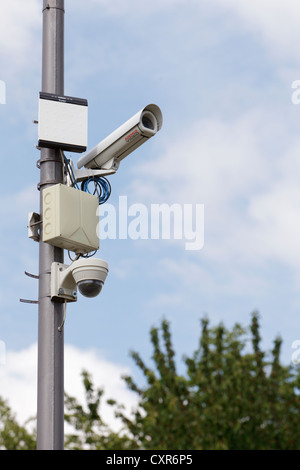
[63, 122]
[70, 219]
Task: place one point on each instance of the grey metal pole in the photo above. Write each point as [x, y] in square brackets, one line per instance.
[50, 409]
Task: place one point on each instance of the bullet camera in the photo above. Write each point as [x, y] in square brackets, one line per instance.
[88, 275]
[108, 154]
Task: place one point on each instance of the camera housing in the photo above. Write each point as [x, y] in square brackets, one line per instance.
[108, 154]
[88, 275]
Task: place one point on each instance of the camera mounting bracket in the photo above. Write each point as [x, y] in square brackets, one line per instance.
[80, 175]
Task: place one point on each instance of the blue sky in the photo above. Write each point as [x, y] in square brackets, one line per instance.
[222, 73]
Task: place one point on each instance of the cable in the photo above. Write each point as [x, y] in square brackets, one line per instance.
[81, 255]
[89, 255]
[70, 171]
[102, 188]
[60, 328]
[76, 257]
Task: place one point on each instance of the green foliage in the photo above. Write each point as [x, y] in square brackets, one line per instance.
[166, 413]
[12, 435]
[89, 430]
[230, 399]
[232, 396]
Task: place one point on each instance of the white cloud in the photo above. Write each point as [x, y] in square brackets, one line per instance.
[276, 225]
[215, 163]
[105, 374]
[135, 7]
[210, 155]
[249, 188]
[19, 23]
[18, 379]
[275, 21]
[187, 276]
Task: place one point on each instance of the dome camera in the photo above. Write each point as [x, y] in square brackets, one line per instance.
[88, 275]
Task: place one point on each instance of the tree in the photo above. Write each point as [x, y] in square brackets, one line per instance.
[229, 399]
[232, 396]
[166, 414]
[12, 435]
[90, 432]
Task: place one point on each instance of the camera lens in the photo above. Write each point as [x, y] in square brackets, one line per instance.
[147, 122]
[90, 288]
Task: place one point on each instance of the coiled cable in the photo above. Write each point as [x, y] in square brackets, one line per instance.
[102, 188]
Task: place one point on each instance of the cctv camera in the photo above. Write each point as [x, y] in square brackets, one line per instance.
[124, 140]
[87, 274]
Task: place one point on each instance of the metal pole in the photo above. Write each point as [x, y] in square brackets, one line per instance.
[50, 410]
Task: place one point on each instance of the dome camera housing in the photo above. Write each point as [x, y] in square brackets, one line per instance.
[90, 288]
[88, 275]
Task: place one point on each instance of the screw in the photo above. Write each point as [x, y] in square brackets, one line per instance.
[61, 291]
